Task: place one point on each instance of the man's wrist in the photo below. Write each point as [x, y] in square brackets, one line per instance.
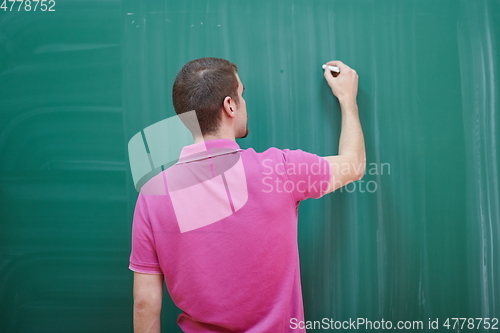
[348, 106]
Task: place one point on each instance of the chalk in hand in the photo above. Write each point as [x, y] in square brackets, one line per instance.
[333, 68]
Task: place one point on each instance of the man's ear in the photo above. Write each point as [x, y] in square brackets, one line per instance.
[229, 106]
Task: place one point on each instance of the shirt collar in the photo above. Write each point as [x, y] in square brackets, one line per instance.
[207, 149]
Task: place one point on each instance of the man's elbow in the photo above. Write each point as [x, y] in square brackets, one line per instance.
[147, 304]
[146, 316]
[357, 170]
[150, 305]
[360, 172]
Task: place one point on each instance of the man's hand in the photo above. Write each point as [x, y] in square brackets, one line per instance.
[345, 85]
[148, 293]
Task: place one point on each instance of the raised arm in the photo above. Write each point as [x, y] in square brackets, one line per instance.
[148, 293]
[349, 165]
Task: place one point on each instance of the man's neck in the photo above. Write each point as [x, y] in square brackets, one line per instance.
[217, 136]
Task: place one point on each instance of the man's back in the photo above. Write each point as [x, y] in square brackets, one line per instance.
[220, 226]
[240, 273]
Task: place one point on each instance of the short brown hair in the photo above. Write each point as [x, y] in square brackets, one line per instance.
[202, 85]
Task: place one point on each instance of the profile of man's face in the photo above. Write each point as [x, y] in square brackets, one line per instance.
[245, 132]
[242, 129]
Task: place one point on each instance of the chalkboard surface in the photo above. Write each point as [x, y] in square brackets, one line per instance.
[416, 240]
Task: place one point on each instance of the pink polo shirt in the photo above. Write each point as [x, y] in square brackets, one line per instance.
[221, 226]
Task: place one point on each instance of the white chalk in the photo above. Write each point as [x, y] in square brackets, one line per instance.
[333, 68]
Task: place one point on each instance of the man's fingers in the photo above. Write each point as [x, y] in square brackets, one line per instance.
[337, 63]
[328, 75]
[343, 67]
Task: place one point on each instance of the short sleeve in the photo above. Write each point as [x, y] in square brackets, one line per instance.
[309, 175]
[143, 257]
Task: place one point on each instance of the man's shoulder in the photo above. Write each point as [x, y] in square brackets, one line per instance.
[270, 150]
[272, 153]
[275, 157]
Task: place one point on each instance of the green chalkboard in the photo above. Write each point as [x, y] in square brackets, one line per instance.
[417, 239]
